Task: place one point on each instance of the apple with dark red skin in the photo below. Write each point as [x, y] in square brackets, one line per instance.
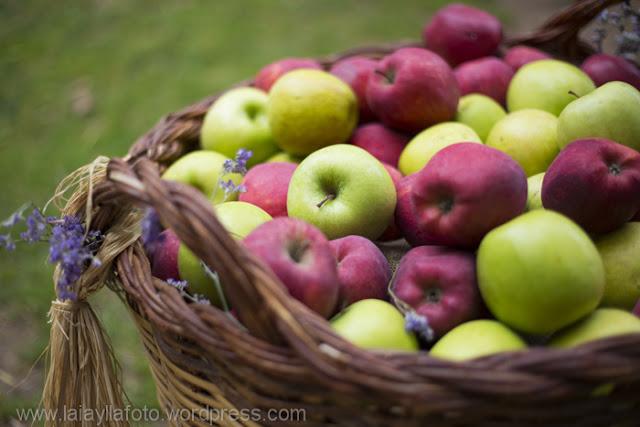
[636, 309]
[355, 71]
[301, 256]
[595, 182]
[520, 55]
[268, 75]
[465, 191]
[488, 76]
[460, 33]
[164, 260]
[381, 142]
[405, 217]
[392, 232]
[412, 89]
[440, 284]
[604, 68]
[363, 270]
[267, 185]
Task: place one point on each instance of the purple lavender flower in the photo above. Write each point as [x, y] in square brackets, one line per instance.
[201, 299]
[180, 285]
[7, 242]
[239, 164]
[151, 229]
[229, 188]
[36, 227]
[72, 251]
[414, 322]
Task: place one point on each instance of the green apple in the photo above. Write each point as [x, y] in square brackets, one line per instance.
[238, 119]
[203, 170]
[240, 218]
[311, 109]
[619, 251]
[477, 338]
[612, 111]
[427, 143]
[342, 190]
[539, 272]
[602, 323]
[534, 192]
[548, 85]
[283, 157]
[529, 137]
[198, 282]
[480, 113]
[374, 324]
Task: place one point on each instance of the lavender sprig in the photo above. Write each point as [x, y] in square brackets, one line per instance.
[418, 324]
[151, 229]
[238, 165]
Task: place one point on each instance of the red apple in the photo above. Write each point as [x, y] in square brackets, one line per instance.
[267, 185]
[301, 256]
[355, 71]
[520, 55]
[440, 284]
[411, 89]
[363, 270]
[460, 33]
[392, 232]
[465, 191]
[636, 309]
[603, 68]
[381, 142]
[268, 75]
[595, 182]
[488, 76]
[405, 217]
[164, 260]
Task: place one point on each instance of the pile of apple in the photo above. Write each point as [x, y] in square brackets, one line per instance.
[516, 179]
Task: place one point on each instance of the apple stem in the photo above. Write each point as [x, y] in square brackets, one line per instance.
[389, 77]
[326, 199]
[574, 94]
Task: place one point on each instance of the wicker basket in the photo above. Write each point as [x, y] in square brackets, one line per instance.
[286, 356]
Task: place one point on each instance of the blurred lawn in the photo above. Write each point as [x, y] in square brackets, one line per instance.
[84, 78]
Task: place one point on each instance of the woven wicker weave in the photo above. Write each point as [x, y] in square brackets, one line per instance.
[288, 357]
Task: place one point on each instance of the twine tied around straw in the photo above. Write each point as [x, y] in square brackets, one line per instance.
[82, 371]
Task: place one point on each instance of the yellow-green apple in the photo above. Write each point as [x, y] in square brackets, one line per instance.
[460, 33]
[539, 272]
[440, 284]
[405, 217]
[374, 324]
[203, 170]
[427, 143]
[534, 191]
[518, 56]
[268, 75]
[355, 71]
[198, 281]
[489, 76]
[240, 218]
[301, 256]
[548, 85]
[310, 109]
[392, 232]
[412, 89]
[595, 182]
[477, 338]
[283, 157]
[267, 185]
[602, 323]
[529, 137]
[381, 142]
[480, 113]
[164, 260]
[465, 191]
[612, 111]
[604, 68]
[363, 270]
[342, 190]
[238, 119]
[619, 251]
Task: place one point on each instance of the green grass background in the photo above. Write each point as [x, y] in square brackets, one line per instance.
[138, 60]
